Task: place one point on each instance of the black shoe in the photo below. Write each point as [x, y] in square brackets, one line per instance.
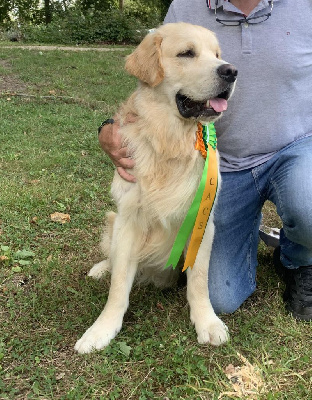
[298, 292]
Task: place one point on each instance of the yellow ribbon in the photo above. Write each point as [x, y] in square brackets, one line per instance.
[199, 212]
[204, 210]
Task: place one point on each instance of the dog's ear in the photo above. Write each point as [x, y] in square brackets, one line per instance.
[145, 62]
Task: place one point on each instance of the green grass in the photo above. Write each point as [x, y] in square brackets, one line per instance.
[50, 161]
[85, 76]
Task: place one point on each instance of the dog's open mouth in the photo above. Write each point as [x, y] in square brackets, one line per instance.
[209, 108]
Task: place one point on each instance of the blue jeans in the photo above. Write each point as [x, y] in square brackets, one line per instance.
[286, 180]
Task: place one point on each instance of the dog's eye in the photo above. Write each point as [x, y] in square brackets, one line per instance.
[217, 55]
[187, 54]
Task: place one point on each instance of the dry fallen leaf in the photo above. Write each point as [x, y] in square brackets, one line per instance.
[160, 306]
[246, 380]
[60, 217]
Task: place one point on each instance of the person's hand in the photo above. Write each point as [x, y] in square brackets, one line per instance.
[111, 142]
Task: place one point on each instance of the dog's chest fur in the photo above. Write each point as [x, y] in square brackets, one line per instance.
[167, 166]
[168, 170]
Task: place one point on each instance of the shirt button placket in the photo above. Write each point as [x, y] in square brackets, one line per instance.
[246, 38]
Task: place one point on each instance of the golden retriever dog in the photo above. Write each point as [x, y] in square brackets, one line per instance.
[182, 80]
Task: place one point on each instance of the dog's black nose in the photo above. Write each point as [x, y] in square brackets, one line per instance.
[227, 72]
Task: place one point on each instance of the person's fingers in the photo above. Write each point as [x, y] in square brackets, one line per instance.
[125, 163]
[111, 142]
[125, 175]
[123, 152]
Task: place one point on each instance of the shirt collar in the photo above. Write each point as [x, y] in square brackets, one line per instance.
[226, 4]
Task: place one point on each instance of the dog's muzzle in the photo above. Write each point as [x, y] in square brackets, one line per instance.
[211, 107]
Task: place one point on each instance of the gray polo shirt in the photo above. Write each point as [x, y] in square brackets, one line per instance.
[272, 104]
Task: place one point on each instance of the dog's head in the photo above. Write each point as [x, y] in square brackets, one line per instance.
[183, 61]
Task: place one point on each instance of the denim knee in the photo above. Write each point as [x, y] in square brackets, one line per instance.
[297, 225]
[292, 191]
[228, 300]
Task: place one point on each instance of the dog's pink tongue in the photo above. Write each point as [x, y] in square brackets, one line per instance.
[218, 104]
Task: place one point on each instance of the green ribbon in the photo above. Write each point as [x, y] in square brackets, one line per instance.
[209, 136]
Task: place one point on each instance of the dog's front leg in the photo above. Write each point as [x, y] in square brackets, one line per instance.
[124, 267]
[208, 326]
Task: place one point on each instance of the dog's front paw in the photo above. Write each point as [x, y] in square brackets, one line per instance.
[95, 338]
[214, 331]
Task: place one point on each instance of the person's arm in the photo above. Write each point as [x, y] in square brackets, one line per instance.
[110, 141]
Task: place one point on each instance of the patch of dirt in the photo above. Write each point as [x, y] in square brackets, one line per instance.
[9, 83]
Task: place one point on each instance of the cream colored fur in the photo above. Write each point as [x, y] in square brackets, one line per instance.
[140, 236]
